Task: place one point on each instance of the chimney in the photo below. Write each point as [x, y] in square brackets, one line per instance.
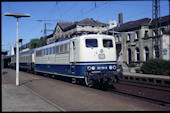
[120, 18]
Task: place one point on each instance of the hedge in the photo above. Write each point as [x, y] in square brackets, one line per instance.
[156, 67]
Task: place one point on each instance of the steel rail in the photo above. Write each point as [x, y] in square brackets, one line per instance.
[144, 85]
[158, 101]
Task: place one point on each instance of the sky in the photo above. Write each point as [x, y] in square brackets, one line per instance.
[51, 12]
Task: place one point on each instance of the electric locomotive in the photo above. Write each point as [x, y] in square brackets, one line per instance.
[89, 57]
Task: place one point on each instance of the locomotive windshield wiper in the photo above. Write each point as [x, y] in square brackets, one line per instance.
[89, 46]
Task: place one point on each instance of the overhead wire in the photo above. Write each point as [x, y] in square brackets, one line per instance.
[71, 8]
[89, 11]
[141, 13]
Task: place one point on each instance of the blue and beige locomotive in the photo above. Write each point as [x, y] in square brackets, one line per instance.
[91, 58]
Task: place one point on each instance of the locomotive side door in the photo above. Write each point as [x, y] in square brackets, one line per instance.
[72, 56]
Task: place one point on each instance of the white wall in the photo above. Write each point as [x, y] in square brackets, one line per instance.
[166, 47]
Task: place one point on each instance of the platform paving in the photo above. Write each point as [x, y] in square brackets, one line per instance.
[17, 98]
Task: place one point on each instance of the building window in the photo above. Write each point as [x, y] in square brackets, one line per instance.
[146, 53]
[136, 35]
[128, 37]
[137, 54]
[146, 34]
[162, 31]
[118, 38]
[129, 56]
[153, 33]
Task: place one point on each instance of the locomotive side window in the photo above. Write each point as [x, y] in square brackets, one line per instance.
[46, 51]
[57, 49]
[61, 48]
[43, 51]
[91, 43]
[67, 48]
[107, 43]
[50, 51]
[53, 50]
[38, 53]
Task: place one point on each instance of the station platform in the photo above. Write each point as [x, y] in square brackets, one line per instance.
[147, 78]
[17, 98]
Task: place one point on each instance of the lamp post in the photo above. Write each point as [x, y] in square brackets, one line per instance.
[17, 15]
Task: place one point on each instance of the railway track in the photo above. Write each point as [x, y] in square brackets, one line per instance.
[158, 101]
[153, 93]
[145, 85]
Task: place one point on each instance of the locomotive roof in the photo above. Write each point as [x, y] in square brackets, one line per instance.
[66, 40]
[27, 52]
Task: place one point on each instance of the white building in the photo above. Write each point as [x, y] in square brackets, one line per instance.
[64, 30]
[112, 24]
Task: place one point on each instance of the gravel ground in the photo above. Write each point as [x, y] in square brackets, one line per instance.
[153, 93]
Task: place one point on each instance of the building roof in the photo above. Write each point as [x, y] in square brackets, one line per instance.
[90, 22]
[84, 22]
[132, 24]
[137, 23]
[49, 36]
[162, 19]
[64, 25]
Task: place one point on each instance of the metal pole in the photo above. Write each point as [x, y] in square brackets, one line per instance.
[17, 59]
[122, 50]
[17, 15]
[2, 63]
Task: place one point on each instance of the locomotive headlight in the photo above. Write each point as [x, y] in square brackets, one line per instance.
[110, 67]
[114, 67]
[93, 68]
[89, 68]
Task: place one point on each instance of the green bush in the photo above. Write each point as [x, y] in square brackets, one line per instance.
[132, 64]
[137, 70]
[156, 67]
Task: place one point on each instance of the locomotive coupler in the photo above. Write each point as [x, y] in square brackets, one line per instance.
[104, 75]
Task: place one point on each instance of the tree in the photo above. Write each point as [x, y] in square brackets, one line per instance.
[43, 41]
[37, 42]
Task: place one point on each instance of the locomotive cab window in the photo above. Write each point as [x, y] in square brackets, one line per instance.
[38, 53]
[91, 43]
[107, 43]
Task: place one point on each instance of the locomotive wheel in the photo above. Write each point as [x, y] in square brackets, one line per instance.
[88, 81]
